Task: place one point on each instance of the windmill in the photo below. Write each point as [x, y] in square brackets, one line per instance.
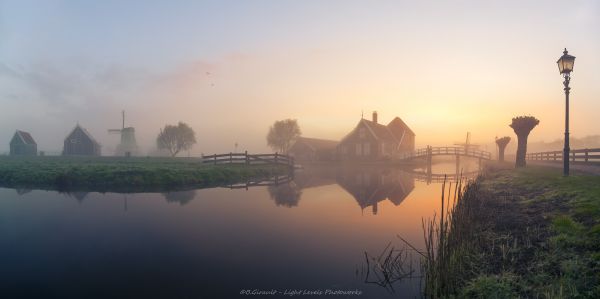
[128, 145]
[468, 145]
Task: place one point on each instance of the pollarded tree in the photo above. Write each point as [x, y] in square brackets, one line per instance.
[176, 138]
[502, 143]
[282, 134]
[522, 125]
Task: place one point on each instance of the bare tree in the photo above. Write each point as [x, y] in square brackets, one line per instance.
[176, 138]
[282, 134]
[522, 125]
[502, 143]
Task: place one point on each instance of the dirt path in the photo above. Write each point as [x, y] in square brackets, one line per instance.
[582, 168]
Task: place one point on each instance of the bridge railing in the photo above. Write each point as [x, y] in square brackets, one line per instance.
[448, 150]
[580, 155]
[248, 159]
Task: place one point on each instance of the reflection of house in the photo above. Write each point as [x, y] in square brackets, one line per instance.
[312, 149]
[22, 144]
[80, 196]
[369, 187]
[371, 140]
[81, 143]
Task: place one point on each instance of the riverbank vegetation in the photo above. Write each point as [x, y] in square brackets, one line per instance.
[527, 232]
[116, 174]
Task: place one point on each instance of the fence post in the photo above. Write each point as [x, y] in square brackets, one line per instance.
[230, 158]
[247, 161]
[586, 155]
[275, 157]
[573, 157]
[215, 159]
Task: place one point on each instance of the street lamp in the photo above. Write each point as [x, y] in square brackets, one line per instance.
[565, 66]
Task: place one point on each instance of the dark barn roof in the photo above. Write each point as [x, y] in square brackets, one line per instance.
[81, 142]
[85, 132]
[25, 137]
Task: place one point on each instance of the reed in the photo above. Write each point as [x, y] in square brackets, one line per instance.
[449, 241]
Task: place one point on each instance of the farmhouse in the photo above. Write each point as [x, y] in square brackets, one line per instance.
[80, 143]
[22, 144]
[371, 140]
[313, 149]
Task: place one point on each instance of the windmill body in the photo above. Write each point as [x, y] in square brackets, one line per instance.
[128, 145]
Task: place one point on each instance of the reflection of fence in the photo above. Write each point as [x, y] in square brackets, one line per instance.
[248, 159]
[271, 181]
[439, 178]
[580, 155]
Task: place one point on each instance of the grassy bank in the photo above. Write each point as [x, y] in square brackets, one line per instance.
[122, 174]
[528, 233]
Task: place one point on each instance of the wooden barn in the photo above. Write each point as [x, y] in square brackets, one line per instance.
[370, 140]
[313, 149]
[80, 143]
[22, 144]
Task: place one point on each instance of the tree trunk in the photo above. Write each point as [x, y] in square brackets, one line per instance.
[501, 153]
[521, 150]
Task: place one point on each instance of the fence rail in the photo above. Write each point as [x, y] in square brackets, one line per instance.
[580, 155]
[248, 159]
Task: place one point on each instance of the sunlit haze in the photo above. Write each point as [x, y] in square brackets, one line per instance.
[231, 68]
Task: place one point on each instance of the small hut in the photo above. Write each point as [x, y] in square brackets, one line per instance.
[22, 144]
[80, 143]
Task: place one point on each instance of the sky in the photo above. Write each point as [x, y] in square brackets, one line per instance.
[231, 68]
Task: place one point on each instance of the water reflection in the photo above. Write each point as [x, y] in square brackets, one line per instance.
[144, 252]
[371, 186]
[79, 196]
[368, 186]
[286, 195]
[181, 197]
[22, 191]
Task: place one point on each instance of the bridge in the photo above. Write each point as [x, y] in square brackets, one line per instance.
[429, 152]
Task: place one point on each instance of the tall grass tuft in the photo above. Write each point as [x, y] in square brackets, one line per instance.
[448, 239]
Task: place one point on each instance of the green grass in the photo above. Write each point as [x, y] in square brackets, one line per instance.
[529, 233]
[122, 174]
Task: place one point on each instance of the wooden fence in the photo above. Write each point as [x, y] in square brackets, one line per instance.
[248, 159]
[581, 155]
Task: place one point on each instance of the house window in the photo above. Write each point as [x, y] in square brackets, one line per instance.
[366, 149]
[359, 149]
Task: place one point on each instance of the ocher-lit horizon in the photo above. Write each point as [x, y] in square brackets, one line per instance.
[230, 70]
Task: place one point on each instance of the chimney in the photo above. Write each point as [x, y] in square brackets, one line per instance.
[375, 116]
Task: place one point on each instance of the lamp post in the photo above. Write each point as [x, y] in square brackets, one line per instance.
[565, 66]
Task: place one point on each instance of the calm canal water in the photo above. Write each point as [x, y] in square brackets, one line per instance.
[308, 234]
